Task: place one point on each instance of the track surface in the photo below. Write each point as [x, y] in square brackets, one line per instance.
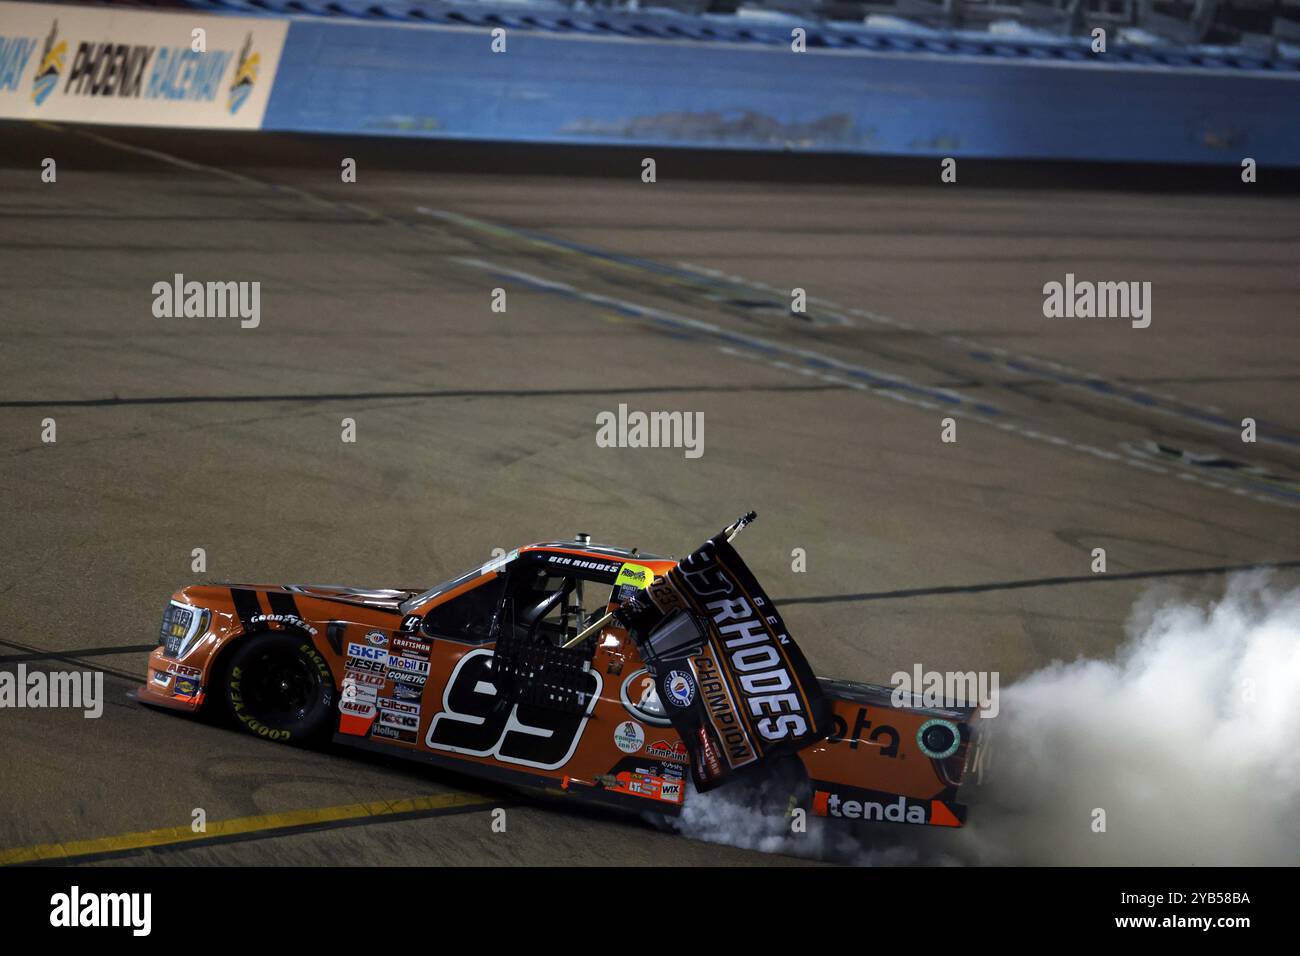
[476, 430]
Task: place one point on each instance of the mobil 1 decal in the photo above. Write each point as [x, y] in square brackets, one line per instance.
[471, 722]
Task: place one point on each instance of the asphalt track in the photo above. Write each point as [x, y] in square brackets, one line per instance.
[476, 430]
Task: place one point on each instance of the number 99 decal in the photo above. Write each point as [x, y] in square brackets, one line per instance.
[471, 723]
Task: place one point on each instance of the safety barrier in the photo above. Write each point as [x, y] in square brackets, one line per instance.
[520, 78]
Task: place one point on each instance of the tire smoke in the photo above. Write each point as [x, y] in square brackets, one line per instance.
[1180, 750]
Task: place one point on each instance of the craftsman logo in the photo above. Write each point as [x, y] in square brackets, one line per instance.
[680, 688]
[75, 909]
[408, 645]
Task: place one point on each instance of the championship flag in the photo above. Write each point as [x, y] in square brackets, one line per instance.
[731, 678]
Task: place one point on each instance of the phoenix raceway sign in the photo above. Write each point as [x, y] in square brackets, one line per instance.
[129, 67]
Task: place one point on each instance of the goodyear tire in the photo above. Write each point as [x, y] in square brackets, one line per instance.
[278, 687]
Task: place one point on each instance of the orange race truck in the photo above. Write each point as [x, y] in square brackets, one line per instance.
[590, 672]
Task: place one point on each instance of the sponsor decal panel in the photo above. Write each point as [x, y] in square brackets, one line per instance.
[850, 803]
[181, 670]
[629, 737]
[681, 688]
[649, 786]
[104, 65]
[411, 646]
[407, 691]
[663, 750]
[393, 733]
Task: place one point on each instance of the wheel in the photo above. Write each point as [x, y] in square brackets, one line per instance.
[280, 688]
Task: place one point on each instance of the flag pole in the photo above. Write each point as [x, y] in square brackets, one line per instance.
[730, 531]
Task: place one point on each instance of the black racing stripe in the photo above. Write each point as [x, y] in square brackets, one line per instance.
[246, 606]
[282, 603]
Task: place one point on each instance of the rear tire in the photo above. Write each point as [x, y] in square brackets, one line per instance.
[278, 687]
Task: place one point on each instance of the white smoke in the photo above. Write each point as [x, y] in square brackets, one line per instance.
[1187, 742]
[752, 817]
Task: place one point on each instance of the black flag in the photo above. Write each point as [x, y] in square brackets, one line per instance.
[732, 680]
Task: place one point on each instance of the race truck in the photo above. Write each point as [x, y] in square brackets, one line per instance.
[588, 672]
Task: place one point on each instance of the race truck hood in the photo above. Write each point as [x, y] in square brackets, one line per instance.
[387, 599]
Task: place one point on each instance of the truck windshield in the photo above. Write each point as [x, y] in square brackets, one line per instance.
[496, 564]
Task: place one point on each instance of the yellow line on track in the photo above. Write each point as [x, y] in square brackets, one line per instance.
[241, 826]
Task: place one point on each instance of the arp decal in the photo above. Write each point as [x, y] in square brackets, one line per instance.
[840, 733]
[471, 722]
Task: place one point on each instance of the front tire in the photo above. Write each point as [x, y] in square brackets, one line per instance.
[280, 688]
